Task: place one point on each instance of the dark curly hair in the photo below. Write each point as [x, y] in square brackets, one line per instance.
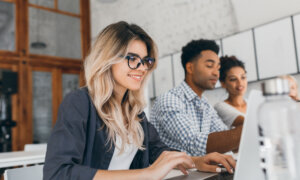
[227, 63]
[194, 48]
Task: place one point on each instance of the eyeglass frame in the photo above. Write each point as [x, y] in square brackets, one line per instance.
[141, 61]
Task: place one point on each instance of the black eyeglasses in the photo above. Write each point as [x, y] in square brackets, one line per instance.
[134, 61]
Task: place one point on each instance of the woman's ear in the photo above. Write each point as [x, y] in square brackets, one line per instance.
[223, 84]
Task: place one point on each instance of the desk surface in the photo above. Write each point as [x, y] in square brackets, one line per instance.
[21, 158]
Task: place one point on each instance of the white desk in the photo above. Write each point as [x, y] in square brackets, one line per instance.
[202, 175]
[21, 158]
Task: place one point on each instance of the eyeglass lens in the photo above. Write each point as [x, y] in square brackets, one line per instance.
[135, 61]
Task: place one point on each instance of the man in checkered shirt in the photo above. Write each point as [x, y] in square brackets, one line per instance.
[183, 117]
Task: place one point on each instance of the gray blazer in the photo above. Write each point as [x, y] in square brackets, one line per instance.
[77, 146]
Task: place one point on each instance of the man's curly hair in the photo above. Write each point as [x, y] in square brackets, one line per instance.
[194, 48]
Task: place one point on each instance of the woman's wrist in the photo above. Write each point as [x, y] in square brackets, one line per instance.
[124, 174]
[147, 173]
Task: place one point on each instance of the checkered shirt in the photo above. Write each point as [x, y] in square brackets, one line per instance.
[184, 120]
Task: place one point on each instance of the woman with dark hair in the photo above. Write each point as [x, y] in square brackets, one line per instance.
[102, 132]
[234, 79]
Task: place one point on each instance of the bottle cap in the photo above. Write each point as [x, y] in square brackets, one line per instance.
[276, 86]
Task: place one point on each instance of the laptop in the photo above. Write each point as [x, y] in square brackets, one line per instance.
[193, 175]
[248, 161]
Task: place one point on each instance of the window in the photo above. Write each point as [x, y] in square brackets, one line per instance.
[45, 41]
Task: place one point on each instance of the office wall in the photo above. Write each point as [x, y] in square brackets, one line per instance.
[250, 13]
[172, 23]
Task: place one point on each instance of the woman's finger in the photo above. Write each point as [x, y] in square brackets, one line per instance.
[182, 169]
[185, 161]
[180, 158]
[171, 160]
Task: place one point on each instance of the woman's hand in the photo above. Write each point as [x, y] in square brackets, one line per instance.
[167, 161]
[209, 162]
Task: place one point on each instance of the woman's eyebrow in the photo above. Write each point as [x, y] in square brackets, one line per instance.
[134, 54]
[231, 76]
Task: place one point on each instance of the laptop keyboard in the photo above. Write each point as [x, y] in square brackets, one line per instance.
[222, 176]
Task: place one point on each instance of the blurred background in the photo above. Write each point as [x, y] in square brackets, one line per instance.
[43, 44]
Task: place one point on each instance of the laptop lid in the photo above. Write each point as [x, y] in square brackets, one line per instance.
[248, 160]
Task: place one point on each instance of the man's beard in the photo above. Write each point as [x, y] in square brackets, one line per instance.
[204, 85]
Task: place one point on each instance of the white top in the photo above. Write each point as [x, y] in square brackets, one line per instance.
[227, 112]
[122, 161]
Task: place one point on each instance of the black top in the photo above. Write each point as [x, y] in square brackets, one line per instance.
[78, 145]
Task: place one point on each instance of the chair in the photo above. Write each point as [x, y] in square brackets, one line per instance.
[24, 173]
[35, 147]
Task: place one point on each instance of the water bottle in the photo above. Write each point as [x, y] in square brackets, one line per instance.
[277, 142]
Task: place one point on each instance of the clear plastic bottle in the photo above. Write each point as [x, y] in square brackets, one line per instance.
[277, 144]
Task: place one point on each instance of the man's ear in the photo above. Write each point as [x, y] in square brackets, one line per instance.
[189, 67]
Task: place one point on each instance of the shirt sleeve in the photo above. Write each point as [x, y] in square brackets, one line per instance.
[227, 114]
[217, 123]
[66, 145]
[177, 128]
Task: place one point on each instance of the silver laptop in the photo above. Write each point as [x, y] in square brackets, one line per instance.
[248, 160]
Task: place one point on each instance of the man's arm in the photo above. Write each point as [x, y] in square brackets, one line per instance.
[209, 162]
[224, 141]
[238, 121]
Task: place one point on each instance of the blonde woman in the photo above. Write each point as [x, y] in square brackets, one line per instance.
[102, 132]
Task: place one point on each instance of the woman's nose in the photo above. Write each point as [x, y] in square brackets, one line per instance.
[142, 67]
[239, 81]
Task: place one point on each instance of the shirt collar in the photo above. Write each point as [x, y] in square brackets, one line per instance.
[189, 92]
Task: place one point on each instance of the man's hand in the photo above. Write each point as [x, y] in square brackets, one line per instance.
[209, 162]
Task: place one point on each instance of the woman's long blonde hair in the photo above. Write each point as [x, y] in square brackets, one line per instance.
[112, 43]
